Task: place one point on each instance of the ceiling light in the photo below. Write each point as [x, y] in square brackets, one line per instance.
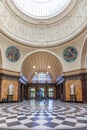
[49, 67]
[34, 67]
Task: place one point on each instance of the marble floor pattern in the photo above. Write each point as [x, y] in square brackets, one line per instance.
[43, 115]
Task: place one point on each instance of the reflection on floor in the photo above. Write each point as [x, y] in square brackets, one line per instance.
[44, 114]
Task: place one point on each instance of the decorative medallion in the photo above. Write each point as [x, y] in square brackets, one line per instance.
[70, 54]
[12, 54]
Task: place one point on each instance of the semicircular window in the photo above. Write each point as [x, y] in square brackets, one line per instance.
[41, 78]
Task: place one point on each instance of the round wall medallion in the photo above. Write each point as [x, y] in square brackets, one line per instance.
[12, 54]
[70, 54]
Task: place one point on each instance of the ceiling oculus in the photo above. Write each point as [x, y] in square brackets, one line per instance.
[41, 9]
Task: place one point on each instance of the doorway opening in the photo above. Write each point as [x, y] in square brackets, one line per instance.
[42, 70]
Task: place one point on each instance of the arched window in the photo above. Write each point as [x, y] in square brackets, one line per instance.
[41, 78]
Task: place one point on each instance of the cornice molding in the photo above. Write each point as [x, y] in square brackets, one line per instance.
[9, 72]
[75, 72]
[8, 77]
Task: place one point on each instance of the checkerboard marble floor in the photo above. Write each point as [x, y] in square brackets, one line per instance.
[43, 115]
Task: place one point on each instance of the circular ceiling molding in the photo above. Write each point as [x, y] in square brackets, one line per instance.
[41, 9]
[19, 13]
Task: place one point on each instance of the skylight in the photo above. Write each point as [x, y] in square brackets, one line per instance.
[41, 8]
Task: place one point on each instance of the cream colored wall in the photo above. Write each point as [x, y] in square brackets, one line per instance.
[78, 43]
[57, 51]
[54, 31]
[13, 66]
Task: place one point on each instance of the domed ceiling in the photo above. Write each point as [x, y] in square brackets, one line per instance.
[41, 8]
[53, 22]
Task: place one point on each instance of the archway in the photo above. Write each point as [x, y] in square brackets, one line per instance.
[86, 60]
[0, 59]
[0, 70]
[42, 70]
[41, 61]
[84, 55]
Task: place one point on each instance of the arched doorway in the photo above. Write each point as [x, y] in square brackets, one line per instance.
[42, 70]
[84, 71]
[1, 89]
[0, 59]
[84, 55]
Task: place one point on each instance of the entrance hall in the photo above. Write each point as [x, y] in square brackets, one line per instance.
[43, 64]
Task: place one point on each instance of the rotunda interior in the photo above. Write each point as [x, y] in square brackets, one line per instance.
[43, 64]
